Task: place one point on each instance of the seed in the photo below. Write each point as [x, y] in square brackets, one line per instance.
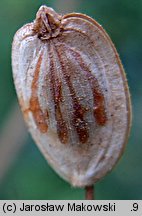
[68, 78]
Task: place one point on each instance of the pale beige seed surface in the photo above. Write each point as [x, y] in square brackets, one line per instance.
[73, 93]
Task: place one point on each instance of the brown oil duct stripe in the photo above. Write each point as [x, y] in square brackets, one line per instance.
[56, 88]
[78, 121]
[99, 101]
[39, 116]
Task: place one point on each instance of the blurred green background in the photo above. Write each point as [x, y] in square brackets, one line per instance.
[24, 173]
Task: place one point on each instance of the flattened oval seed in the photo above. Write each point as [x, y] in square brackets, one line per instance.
[73, 92]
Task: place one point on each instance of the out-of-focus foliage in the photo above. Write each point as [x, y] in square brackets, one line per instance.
[30, 177]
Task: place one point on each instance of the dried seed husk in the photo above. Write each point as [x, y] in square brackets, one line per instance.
[73, 93]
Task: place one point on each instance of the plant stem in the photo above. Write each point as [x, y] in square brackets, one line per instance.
[89, 192]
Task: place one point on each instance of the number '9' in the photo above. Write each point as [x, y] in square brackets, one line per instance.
[135, 206]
